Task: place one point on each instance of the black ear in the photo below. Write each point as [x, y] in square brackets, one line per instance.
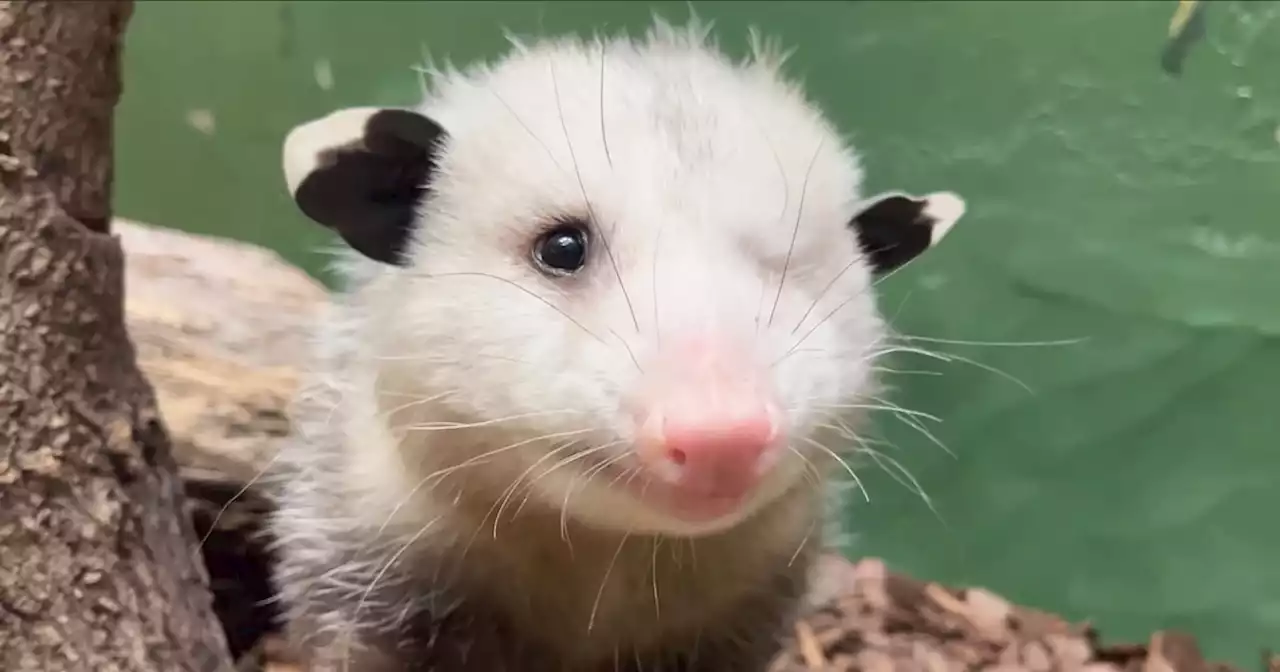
[895, 228]
[363, 172]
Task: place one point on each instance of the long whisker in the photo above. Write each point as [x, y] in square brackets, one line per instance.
[998, 344]
[440, 358]
[952, 357]
[846, 302]
[528, 130]
[815, 327]
[813, 525]
[579, 455]
[823, 293]
[885, 406]
[505, 498]
[438, 426]
[257, 477]
[627, 346]
[481, 525]
[786, 202]
[417, 401]
[604, 135]
[355, 619]
[835, 456]
[441, 473]
[604, 582]
[517, 285]
[586, 478]
[906, 419]
[213, 526]
[804, 190]
[811, 471]
[555, 85]
[911, 483]
[653, 570]
[906, 372]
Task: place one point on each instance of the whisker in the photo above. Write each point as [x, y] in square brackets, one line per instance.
[804, 190]
[893, 408]
[814, 328]
[505, 498]
[906, 419]
[813, 525]
[626, 346]
[586, 476]
[417, 401]
[579, 455]
[786, 202]
[441, 473]
[436, 426]
[906, 372]
[355, 619]
[604, 582]
[440, 358]
[604, 136]
[529, 485]
[555, 85]
[653, 568]
[842, 462]
[823, 293]
[528, 130]
[499, 278]
[998, 344]
[257, 477]
[811, 471]
[910, 484]
[213, 526]
[950, 357]
[846, 302]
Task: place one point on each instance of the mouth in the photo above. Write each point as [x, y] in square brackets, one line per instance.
[686, 504]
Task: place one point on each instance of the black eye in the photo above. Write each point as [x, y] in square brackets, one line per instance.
[562, 250]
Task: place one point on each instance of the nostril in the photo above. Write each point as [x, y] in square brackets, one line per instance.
[677, 456]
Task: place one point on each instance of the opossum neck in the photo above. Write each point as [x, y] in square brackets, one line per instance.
[573, 583]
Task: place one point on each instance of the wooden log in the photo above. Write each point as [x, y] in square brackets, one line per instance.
[219, 328]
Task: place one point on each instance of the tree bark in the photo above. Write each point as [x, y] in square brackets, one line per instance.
[100, 571]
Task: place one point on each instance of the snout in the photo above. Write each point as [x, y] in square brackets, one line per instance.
[709, 428]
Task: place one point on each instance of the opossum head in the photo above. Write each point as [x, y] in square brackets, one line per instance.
[636, 275]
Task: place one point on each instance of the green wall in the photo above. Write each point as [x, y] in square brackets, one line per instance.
[1137, 484]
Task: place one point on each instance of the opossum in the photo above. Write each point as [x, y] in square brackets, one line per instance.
[607, 316]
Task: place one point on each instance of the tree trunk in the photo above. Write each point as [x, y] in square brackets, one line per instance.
[99, 569]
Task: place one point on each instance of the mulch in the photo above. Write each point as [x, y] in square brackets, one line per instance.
[874, 620]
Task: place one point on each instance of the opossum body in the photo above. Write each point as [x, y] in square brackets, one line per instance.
[607, 325]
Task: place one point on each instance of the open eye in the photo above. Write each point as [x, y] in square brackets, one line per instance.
[561, 250]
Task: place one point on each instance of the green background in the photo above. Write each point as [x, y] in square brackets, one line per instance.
[1137, 484]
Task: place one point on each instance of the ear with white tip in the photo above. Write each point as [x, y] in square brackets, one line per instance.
[362, 172]
[895, 228]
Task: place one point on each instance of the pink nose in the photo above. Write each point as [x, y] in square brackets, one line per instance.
[711, 450]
